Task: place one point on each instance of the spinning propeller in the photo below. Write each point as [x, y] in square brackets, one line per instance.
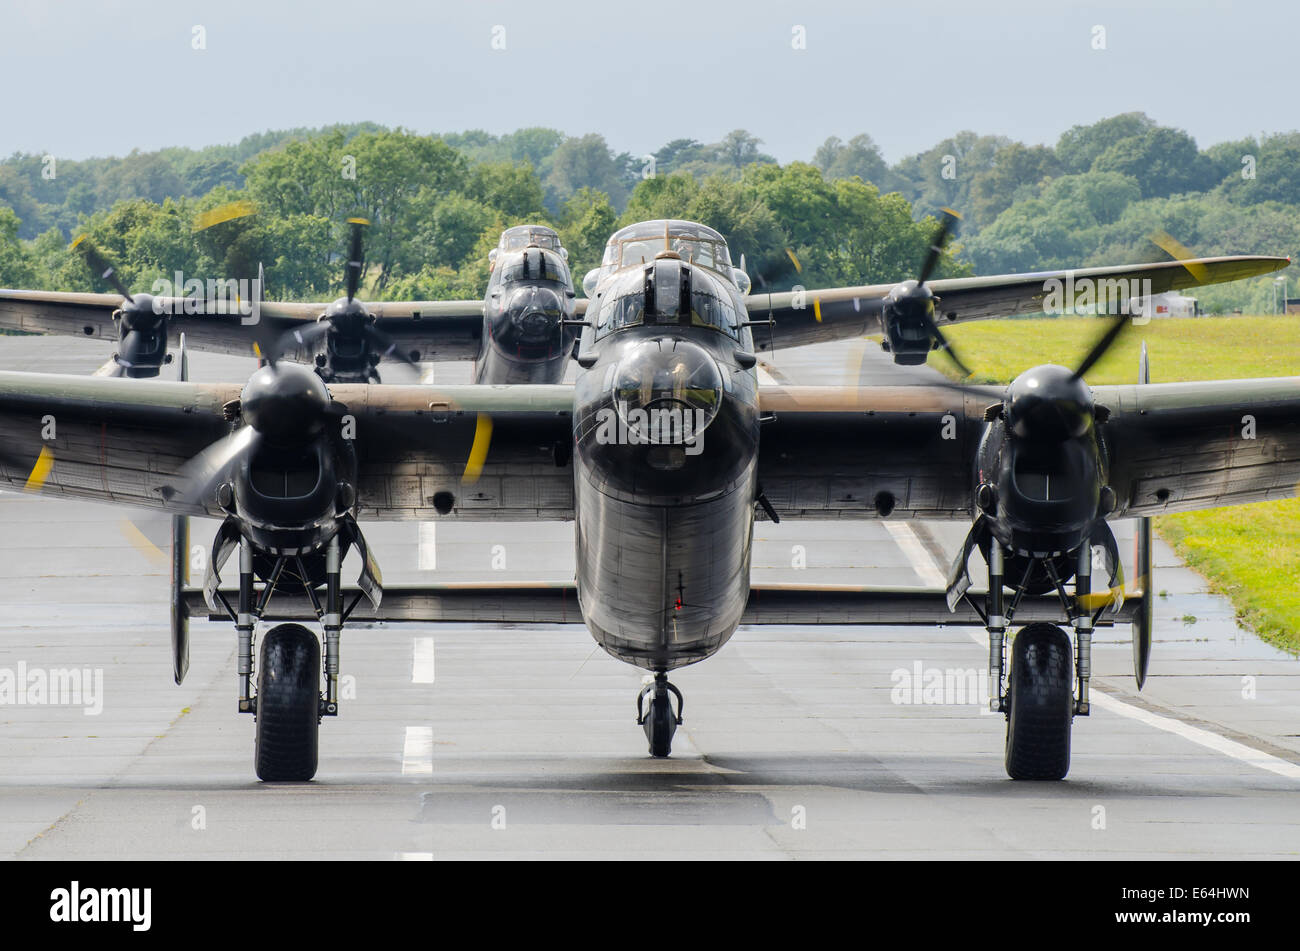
[347, 318]
[99, 265]
[908, 315]
[1050, 401]
[142, 327]
[286, 407]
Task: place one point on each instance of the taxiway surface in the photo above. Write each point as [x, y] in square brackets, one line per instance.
[461, 741]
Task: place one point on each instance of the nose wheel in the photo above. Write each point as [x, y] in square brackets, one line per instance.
[658, 719]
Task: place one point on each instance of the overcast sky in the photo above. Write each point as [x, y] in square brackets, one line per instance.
[101, 78]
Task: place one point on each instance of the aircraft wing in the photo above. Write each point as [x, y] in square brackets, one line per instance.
[825, 452]
[869, 452]
[816, 316]
[1180, 447]
[909, 451]
[125, 441]
[436, 330]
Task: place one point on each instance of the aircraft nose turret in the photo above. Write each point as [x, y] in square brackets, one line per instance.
[662, 423]
[667, 391]
[534, 313]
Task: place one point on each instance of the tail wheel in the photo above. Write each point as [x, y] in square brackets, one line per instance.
[1040, 706]
[288, 704]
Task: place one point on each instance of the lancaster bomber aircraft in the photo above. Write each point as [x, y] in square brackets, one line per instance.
[663, 453]
[521, 332]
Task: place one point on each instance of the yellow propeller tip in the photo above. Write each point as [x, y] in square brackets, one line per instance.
[40, 471]
[222, 213]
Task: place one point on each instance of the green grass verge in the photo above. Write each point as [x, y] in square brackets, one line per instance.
[1251, 554]
[1202, 348]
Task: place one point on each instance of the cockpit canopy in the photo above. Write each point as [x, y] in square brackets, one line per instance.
[667, 292]
[524, 236]
[532, 264]
[636, 245]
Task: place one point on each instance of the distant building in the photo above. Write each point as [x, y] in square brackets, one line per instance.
[1293, 305]
[1172, 304]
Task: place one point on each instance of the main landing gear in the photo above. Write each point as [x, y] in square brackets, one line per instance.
[289, 702]
[659, 720]
[1046, 687]
[289, 705]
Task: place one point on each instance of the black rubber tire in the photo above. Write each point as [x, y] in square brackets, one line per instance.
[288, 704]
[661, 724]
[1040, 706]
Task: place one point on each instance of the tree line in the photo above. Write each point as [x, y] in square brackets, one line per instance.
[438, 202]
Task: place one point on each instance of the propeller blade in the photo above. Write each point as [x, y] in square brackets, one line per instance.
[110, 367]
[201, 474]
[1102, 345]
[946, 226]
[388, 347]
[150, 535]
[405, 373]
[100, 266]
[946, 345]
[259, 294]
[355, 264]
[299, 338]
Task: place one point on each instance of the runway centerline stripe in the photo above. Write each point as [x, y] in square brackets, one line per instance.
[428, 538]
[422, 660]
[1206, 738]
[417, 751]
[922, 561]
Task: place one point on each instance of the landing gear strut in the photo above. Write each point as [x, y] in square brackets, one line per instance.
[1047, 685]
[659, 721]
[289, 702]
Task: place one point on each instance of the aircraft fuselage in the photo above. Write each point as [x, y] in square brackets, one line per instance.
[529, 297]
[665, 465]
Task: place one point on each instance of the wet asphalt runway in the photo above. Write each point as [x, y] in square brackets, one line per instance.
[798, 742]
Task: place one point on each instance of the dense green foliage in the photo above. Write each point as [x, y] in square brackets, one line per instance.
[437, 204]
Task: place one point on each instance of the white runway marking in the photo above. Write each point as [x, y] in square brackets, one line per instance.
[417, 751]
[1212, 741]
[415, 856]
[922, 562]
[428, 536]
[422, 660]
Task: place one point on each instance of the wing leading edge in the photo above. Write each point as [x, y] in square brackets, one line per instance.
[437, 330]
[817, 316]
[125, 441]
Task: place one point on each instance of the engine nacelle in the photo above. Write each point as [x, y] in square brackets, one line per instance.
[906, 318]
[142, 337]
[299, 476]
